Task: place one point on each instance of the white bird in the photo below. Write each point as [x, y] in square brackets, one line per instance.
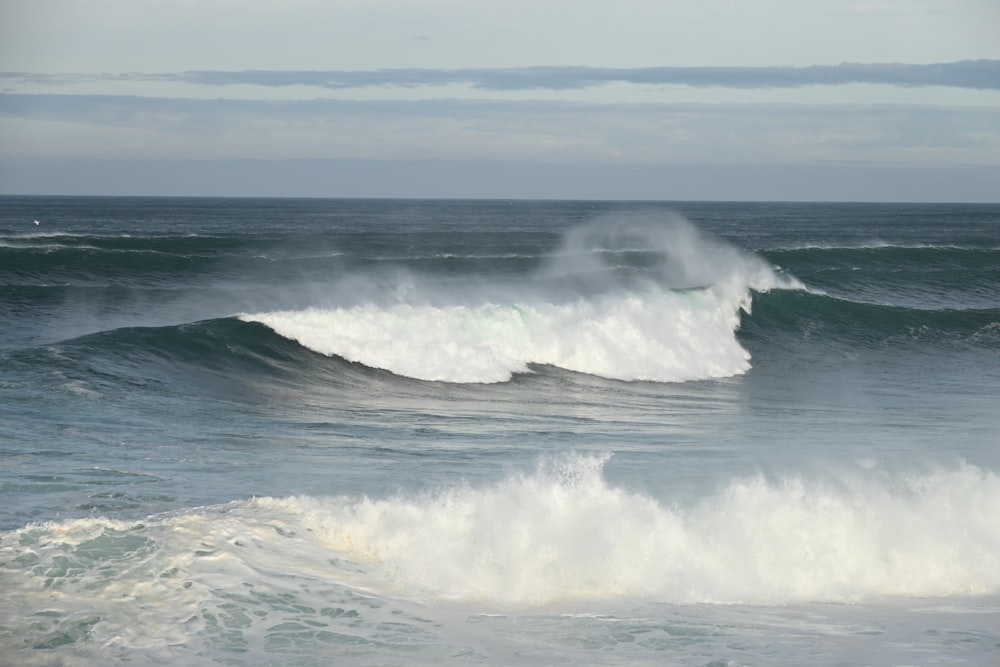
[38, 222]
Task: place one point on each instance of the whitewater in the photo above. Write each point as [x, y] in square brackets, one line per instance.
[671, 319]
[310, 432]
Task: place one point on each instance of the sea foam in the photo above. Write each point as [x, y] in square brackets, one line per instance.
[563, 532]
[559, 532]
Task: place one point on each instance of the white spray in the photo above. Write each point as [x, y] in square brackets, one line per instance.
[628, 299]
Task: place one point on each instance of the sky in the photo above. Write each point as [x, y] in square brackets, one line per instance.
[833, 100]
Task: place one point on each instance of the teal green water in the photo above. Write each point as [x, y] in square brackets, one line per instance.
[488, 432]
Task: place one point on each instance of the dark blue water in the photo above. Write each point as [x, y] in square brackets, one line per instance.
[246, 431]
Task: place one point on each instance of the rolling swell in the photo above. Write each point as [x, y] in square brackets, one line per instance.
[887, 257]
[928, 277]
[779, 316]
[70, 258]
[160, 260]
[219, 354]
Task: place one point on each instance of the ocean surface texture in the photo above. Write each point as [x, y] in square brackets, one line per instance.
[341, 432]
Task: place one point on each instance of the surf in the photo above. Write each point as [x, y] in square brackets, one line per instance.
[630, 298]
[558, 533]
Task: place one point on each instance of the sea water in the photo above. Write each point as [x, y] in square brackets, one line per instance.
[353, 432]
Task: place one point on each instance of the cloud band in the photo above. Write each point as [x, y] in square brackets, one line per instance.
[971, 74]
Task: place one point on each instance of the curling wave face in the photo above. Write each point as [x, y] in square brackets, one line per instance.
[624, 299]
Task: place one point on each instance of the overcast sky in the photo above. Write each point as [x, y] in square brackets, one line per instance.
[892, 100]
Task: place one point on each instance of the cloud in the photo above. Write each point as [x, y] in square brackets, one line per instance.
[567, 132]
[970, 74]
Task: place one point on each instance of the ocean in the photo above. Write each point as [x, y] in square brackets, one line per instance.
[392, 432]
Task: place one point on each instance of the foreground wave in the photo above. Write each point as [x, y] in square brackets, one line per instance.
[337, 568]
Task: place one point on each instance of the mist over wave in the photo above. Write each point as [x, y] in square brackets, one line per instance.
[629, 298]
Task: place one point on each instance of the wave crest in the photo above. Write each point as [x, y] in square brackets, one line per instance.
[626, 299]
